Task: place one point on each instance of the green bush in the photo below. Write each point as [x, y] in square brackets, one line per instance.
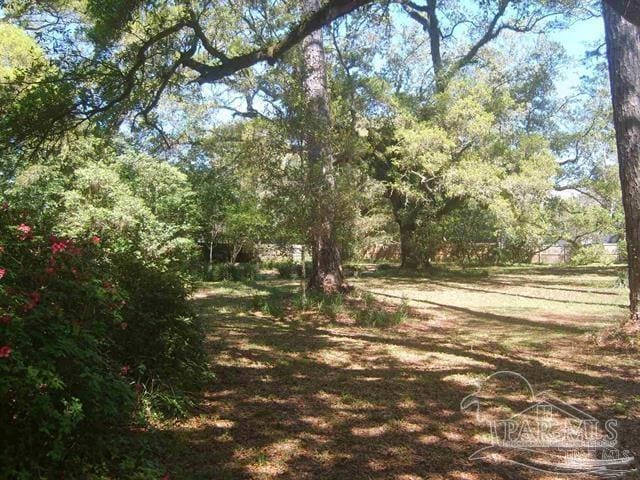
[144, 209]
[162, 338]
[287, 269]
[218, 272]
[329, 305]
[290, 269]
[245, 271]
[589, 254]
[232, 272]
[302, 302]
[622, 251]
[332, 305]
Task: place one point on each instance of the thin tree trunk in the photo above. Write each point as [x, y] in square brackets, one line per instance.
[303, 271]
[623, 54]
[211, 251]
[405, 215]
[235, 251]
[210, 264]
[326, 271]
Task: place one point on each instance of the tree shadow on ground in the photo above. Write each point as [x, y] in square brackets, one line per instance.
[294, 400]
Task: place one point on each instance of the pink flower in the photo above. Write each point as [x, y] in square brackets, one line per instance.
[125, 370]
[57, 247]
[138, 388]
[95, 240]
[26, 232]
[2, 272]
[5, 319]
[5, 351]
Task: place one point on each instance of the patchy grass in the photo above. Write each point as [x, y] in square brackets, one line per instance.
[301, 394]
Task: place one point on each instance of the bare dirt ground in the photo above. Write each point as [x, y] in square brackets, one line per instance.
[303, 397]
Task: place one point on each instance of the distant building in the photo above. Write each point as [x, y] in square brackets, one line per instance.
[274, 252]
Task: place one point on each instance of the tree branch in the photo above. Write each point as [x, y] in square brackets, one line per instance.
[208, 46]
[329, 12]
[491, 33]
[138, 64]
[580, 190]
[166, 78]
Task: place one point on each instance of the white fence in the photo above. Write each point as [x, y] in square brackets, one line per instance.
[562, 253]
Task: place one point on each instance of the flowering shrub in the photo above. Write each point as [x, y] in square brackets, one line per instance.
[140, 208]
[61, 387]
[95, 325]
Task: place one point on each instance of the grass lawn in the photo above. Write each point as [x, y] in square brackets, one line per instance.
[300, 396]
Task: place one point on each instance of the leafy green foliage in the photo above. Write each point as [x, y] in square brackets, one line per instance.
[109, 17]
[231, 271]
[591, 254]
[445, 154]
[19, 53]
[63, 383]
[139, 212]
[244, 224]
[466, 159]
[287, 269]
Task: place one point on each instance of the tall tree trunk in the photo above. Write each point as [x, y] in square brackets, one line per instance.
[623, 54]
[405, 212]
[629, 9]
[326, 271]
